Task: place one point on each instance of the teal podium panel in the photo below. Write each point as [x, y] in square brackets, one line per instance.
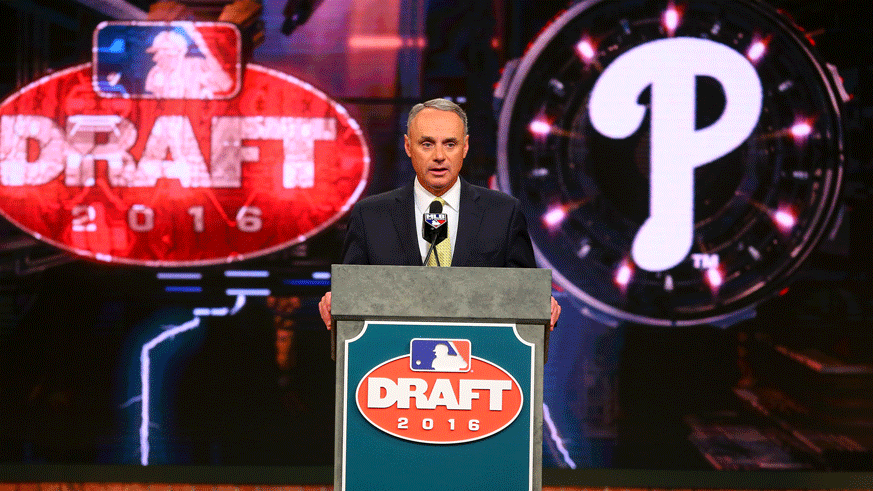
[438, 406]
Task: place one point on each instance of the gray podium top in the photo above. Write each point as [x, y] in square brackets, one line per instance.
[519, 295]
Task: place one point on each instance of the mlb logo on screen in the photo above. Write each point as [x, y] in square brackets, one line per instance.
[439, 355]
[167, 60]
[435, 220]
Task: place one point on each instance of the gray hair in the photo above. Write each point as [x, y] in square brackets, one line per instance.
[440, 104]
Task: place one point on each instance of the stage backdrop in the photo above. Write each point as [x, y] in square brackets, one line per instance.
[696, 174]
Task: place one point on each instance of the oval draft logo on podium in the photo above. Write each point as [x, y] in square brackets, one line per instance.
[439, 393]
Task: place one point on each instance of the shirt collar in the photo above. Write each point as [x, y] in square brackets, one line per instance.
[423, 197]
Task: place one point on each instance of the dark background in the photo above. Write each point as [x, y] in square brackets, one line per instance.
[70, 330]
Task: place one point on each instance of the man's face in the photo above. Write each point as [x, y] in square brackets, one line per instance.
[437, 146]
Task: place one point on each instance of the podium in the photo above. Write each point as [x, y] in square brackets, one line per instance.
[439, 377]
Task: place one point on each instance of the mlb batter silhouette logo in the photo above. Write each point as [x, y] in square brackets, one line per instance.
[435, 220]
[439, 355]
[167, 60]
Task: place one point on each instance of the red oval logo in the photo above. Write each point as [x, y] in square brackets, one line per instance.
[442, 408]
[177, 182]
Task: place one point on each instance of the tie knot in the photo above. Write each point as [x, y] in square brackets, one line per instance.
[441, 201]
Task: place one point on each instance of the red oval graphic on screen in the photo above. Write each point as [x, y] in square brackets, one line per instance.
[177, 182]
[434, 407]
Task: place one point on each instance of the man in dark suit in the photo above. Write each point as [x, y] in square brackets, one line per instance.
[486, 227]
[491, 230]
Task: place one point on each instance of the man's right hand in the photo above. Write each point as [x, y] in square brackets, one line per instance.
[324, 310]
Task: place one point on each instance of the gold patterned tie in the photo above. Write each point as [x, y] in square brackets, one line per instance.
[443, 249]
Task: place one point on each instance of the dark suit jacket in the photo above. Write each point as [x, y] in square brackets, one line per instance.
[492, 231]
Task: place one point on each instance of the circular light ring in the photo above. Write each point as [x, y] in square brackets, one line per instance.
[759, 210]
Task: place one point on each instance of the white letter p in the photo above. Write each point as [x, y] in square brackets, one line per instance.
[670, 67]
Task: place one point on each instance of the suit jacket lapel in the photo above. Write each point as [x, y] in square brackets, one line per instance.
[404, 223]
[469, 220]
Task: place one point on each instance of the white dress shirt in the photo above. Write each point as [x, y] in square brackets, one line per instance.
[423, 199]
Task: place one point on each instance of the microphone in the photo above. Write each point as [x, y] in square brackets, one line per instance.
[435, 228]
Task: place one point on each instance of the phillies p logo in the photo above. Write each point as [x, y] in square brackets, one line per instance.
[670, 67]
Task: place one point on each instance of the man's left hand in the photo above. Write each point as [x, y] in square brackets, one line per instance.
[556, 312]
